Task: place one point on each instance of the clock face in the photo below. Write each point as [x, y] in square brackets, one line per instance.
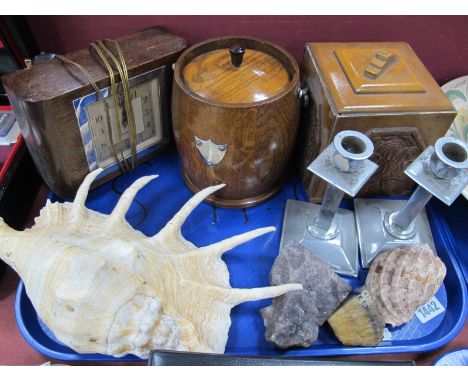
[99, 129]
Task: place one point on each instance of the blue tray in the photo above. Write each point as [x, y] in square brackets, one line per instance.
[249, 266]
[456, 357]
[457, 221]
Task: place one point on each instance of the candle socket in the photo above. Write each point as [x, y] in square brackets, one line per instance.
[439, 171]
[327, 230]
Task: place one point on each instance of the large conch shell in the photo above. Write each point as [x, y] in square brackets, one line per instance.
[103, 287]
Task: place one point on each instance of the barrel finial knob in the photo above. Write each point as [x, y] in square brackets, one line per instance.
[237, 55]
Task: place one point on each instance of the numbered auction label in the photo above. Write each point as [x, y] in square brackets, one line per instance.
[429, 310]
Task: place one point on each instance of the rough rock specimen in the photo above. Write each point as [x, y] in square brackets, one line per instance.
[294, 319]
[402, 280]
[103, 287]
[358, 322]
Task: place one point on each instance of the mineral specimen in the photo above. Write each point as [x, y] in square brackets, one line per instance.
[294, 319]
[358, 321]
[402, 280]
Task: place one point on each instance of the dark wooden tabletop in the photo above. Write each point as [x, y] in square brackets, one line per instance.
[14, 350]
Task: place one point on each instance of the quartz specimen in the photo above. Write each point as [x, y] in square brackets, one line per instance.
[294, 319]
[402, 280]
[358, 322]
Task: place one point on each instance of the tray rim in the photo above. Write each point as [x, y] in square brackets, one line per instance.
[445, 237]
[442, 356]
[448, 232]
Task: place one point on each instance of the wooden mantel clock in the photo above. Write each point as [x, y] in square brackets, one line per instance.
[64, 124]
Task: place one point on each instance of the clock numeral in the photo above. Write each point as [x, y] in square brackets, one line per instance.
[98, 119]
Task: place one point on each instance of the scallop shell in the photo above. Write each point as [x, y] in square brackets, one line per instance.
[358, 322]
[103, 287]
[402, 280]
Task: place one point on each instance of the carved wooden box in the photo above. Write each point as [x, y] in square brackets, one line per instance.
[380, 89]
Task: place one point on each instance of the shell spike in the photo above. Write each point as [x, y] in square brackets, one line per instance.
[9, 241]
[5, 229]
[225, 245]
[238, 296]
[174, 225]
[82, 193]
[118, 214]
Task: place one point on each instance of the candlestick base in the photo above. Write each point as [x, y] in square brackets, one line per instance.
[374, 237]
[341, 252]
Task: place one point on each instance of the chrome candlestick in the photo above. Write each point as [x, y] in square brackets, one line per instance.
[328, 231]
[439, 171]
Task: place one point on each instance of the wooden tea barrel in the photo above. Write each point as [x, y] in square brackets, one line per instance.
[235, 111]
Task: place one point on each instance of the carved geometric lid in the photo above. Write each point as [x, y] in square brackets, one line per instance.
[378, 71]
[377, 77]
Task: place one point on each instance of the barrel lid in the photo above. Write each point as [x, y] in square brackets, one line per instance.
[236, 75]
